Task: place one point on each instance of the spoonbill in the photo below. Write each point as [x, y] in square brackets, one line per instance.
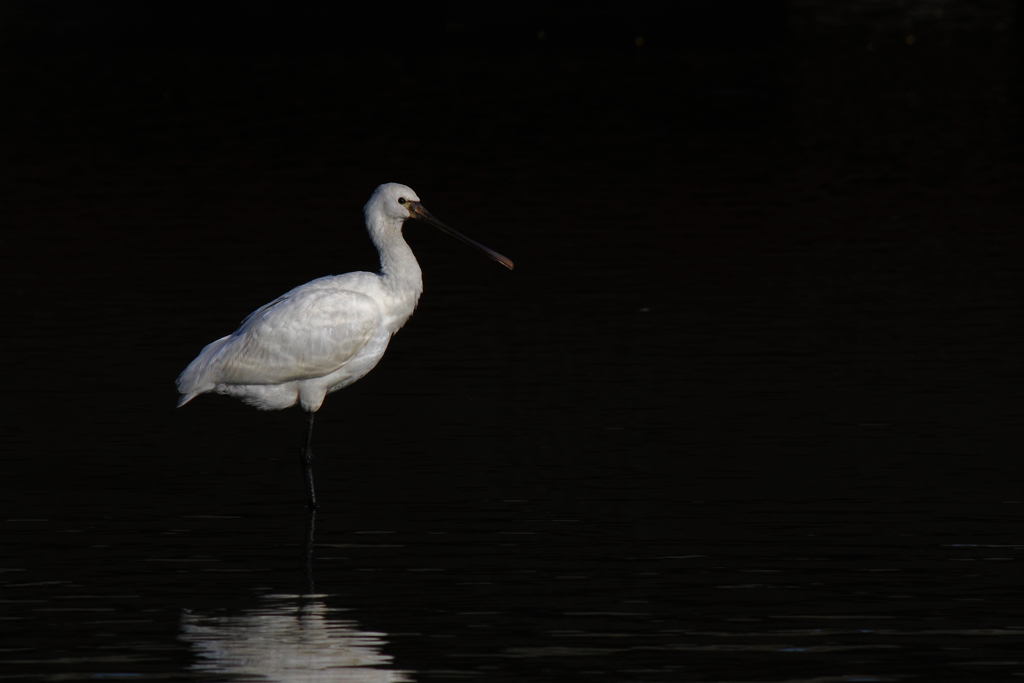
[325, 334]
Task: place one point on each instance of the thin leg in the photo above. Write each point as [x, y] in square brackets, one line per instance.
[306, 458]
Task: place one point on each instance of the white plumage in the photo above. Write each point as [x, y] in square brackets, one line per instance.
[325, 334]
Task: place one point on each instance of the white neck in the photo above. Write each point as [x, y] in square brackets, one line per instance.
[399, 271]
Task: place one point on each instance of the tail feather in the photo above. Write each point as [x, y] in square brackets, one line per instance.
[200, 375]
[185, 398]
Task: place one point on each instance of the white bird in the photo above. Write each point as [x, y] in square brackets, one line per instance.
[325, 334]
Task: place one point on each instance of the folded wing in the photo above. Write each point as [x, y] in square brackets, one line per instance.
[309, 332]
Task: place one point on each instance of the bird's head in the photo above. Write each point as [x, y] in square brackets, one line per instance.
[399, 202]
[394, 200]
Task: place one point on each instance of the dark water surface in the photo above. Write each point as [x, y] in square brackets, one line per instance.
[748, 409]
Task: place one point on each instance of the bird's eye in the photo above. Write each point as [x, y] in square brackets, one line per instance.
[401, 200]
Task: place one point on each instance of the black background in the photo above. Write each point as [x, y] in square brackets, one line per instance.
[768, 214]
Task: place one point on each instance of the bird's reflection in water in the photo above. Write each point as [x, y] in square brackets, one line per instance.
[292, 638]
[287, 641]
